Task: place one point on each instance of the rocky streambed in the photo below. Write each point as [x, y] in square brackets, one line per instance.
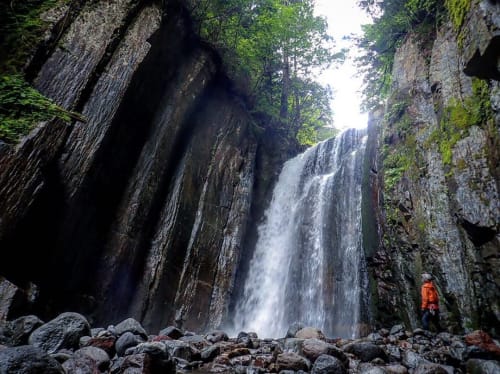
[68, 344]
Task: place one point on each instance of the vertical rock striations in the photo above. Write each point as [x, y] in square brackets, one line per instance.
[140, 211]
[440, 151]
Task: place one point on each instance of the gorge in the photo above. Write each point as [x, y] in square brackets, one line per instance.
[155, 206]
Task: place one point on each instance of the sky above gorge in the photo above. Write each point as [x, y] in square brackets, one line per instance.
[344, 18]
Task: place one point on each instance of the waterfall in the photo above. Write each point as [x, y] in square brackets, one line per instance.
[308, 265]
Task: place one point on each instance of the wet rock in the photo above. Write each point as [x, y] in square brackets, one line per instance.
[126, 341]
[395, 369]
[98, 355]
[482, 340]
[292, 361]
[366, 351]
[476, 366]
[197, 341]
[64, 331]
[21, 328]
[309, 333]
[293, 345]
[209, 353]
[172, 332]
[217, 336]
[294, 329]
[396, 329]
[147, 364]
[412, 360]
[430, 368]
[238, 352]
[28, 360]
[242, 360]
[81, 364]
[366, 368]
[180, 349]
[326, 364]
[130, 325]
[313, 348]
[245, 339]
[106, 343]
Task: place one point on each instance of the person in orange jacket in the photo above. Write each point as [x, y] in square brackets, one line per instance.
[430, 303]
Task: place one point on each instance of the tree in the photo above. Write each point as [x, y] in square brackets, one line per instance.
[392, 21]
[271, 47]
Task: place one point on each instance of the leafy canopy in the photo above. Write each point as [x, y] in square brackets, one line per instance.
[392, 21]
[272, 48]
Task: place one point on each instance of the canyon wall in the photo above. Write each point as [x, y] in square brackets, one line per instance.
[141, 210]
[439, 147]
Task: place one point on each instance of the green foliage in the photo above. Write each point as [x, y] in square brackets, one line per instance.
[459, 116]
[457, 10]
[271, 47]
[21, 29]
[395, 165]
[22, 107]
[392, 21]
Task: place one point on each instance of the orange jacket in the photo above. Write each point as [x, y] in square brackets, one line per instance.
[429, 295]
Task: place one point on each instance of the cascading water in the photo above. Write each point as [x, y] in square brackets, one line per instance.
[308, 265]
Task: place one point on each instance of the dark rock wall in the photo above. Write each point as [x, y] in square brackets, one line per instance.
[142, 210]
[441, 172]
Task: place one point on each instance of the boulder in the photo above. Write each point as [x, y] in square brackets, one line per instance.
[482, 340]
[210, 353]
[197, 341]
[395, 369]
[217, 336]
[106, 343]
[366, 352]
[326, 364]
[294, 329]
[292, 361]
[64, 331]
[126, 341]
[313, 348]
[172, 332]
[180, 349]
[21, 328]
[28, 360]
[430, 368]
[144, 363]
[476, 366]
[366, 368]
[310, 333]
[98, 355]
[81, 364]
[130, 325]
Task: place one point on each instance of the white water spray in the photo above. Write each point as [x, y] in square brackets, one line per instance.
[308, 265]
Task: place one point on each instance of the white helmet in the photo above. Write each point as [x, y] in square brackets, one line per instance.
[426, 277]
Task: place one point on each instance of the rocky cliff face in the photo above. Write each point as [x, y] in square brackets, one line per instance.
[439, 153]
[141, 211]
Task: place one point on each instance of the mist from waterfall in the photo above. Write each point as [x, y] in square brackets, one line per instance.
[308, 265]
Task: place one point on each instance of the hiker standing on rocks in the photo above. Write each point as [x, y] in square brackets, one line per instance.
[430, 303]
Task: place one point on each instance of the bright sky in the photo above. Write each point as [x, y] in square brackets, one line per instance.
[344, 18]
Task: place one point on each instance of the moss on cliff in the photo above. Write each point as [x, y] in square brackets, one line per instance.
[458, 116]
[457, 10]
[21, 30]
[22, 107]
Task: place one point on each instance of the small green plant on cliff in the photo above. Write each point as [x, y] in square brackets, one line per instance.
[459, 116]
[21, 30]
[22, 107]
[457, 10]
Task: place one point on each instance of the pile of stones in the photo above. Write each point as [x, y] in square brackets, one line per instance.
[68, 344]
